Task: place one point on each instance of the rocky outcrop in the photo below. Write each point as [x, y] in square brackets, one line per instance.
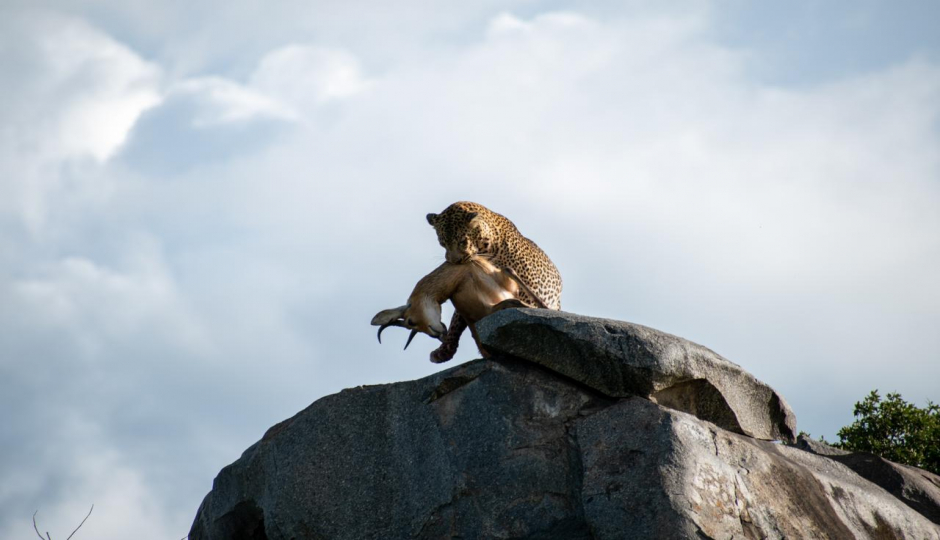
[917, 488]
[621, 359]
[507, 448]
[804, 442]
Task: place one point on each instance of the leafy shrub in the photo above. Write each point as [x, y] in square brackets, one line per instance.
[895, 430]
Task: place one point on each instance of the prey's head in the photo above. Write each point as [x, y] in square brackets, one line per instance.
[422, 317]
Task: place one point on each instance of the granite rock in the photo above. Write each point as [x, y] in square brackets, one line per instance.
[504, 448]
[621, 359]
[917, 488]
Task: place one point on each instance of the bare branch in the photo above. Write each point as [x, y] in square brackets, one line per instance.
[35, 528]
[48, 537]
[80, 524]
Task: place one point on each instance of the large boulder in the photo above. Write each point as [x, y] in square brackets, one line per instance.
[504, 448]
[621, 359]
[660, 473]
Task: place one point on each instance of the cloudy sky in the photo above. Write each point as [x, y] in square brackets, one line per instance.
[202, 205]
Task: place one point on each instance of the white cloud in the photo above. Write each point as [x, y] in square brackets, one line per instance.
[71, 92]
[306, 76]
[507, 24]
[222, 101]
[98, 305]
[86, 92]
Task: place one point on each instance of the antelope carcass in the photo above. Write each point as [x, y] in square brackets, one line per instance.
[475, 288]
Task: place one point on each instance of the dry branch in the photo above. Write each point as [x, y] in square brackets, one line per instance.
[47, 537]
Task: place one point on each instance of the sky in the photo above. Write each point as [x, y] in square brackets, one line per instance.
[203, 204]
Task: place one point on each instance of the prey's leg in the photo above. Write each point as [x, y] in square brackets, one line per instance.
[451, 340]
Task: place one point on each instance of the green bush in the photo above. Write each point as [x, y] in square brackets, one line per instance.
[896, 430]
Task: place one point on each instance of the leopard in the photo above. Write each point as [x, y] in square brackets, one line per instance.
[468, 230]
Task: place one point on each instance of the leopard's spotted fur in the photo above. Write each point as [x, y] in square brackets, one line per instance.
[466, 230]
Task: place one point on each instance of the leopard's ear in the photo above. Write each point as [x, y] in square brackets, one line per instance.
[475, 219]
[432, 219]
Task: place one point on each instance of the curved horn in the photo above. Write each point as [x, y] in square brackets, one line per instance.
[386, 325]
[412, 336]
[389, 317]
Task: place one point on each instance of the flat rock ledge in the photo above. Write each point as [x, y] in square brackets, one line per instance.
[621, 359]
[503, 448]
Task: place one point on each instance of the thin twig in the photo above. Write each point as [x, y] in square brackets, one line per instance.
[48, 537]
[80, 524]
[35, 528]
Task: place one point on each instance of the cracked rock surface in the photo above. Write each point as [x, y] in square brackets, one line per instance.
[504, 448]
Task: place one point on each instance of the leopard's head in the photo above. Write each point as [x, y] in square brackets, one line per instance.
[463, 232]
